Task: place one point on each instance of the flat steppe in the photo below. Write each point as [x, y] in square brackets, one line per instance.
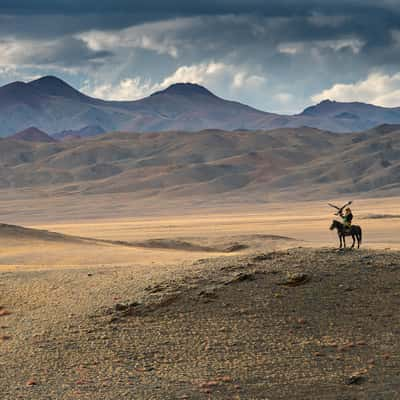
[240, 302]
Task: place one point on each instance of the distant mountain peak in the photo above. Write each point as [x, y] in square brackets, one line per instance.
[49, 78]
[32, 134]
[53, 86]
[15, 85]
[324, 104]
[185, 89]
[327, 101]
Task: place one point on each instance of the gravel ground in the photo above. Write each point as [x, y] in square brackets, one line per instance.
[295, 324]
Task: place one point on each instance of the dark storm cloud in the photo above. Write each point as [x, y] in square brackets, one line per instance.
[71, 52]
[368, 19]
[163, 8]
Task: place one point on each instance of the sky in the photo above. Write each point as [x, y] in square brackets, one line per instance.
[278, 56]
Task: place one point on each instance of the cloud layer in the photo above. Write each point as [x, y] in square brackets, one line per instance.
[277, 55]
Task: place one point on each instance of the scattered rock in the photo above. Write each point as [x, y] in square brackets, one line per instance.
[241, 277]
[152, 304]
[225, 379]
[4, 313]
[144, 369]
[122, 307]
[264, 257]
[355, 379]
[236, 247]
[154, 289]
[244, 277]
[31, 382]
[208, 294]
[295, 279]
[209, 384]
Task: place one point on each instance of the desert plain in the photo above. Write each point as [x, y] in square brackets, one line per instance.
[227, 302]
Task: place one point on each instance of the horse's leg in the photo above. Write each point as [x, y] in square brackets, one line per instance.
[340, 240]
[344, 241]
[354, 241]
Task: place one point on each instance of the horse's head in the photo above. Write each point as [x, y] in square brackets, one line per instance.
[333, 225]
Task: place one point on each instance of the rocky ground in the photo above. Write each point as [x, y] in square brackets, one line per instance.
[293, 324]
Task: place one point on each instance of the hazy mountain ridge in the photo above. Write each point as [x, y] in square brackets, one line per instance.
[32, 134]
[51, 105]
[302, 162]
[84, 132]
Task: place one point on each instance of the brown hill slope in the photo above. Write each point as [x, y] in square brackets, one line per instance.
[25, 236]
[303, 162]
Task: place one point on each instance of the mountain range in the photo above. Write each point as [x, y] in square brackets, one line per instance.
[52, 106]
[282, 163]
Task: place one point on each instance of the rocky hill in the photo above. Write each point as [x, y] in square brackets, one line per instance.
[302, 162]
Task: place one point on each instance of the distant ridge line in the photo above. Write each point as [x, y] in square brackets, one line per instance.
[52, 105]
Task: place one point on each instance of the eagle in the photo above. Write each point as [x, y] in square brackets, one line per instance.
[340, 209]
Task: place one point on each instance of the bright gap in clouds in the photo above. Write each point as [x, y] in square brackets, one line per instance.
[213, 75]
[378, 88]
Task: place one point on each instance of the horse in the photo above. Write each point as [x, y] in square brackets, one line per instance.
[343, 231]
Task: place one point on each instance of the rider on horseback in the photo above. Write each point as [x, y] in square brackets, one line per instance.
[347, 217]
[346, 228]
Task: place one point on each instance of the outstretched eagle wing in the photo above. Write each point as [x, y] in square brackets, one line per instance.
[342, 208]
